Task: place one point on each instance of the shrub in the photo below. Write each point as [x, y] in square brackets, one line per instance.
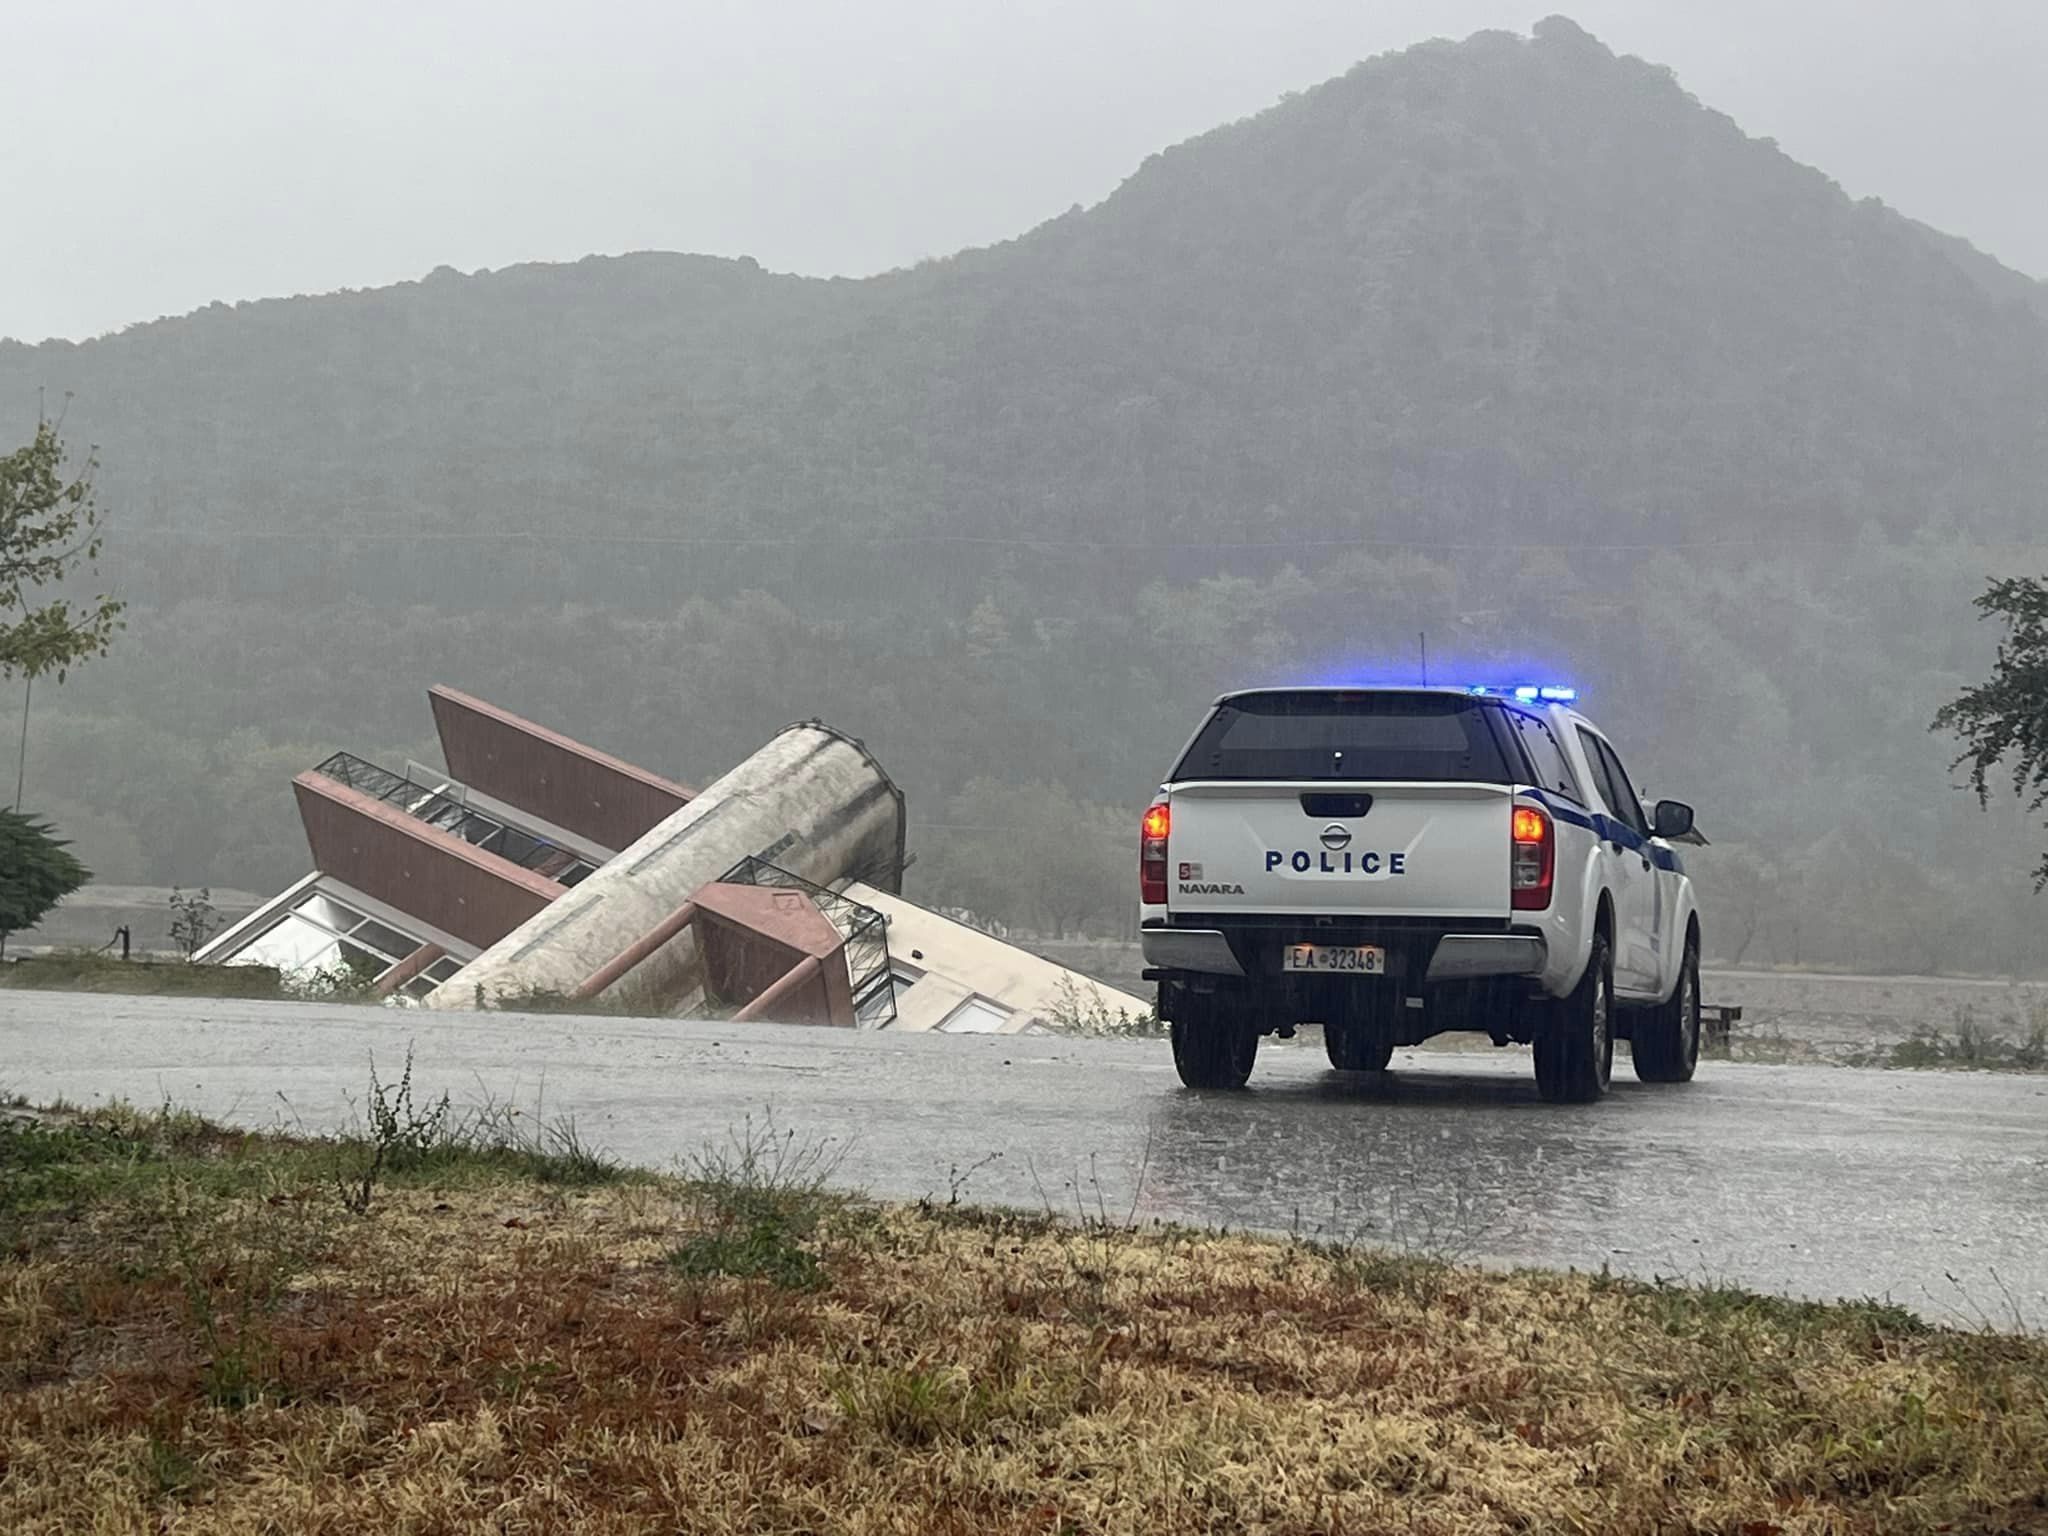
[35, 871]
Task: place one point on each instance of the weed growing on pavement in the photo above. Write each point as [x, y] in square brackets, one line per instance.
[1079, 1010]
[1970, 1047]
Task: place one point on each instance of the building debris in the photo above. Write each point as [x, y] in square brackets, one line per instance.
[536, 869]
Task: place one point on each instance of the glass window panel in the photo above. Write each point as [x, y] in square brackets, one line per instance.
[292, 944]
[875, 1005]
[367, 964]
[436, 812]
[1603, 782]
[389, 940]
[976, 1016]
[518, 847]
[325, 909]
[1339, 735]
[477, 829]
[1546, 757]
[1629, 805]
[443, 968]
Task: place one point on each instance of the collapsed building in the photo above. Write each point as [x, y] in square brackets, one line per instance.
[534, 867]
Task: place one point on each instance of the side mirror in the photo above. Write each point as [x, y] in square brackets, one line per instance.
[1671, 819]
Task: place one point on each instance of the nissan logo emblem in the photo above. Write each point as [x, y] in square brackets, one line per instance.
[1335, 837]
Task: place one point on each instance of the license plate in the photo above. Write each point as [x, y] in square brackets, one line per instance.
[1356, 959]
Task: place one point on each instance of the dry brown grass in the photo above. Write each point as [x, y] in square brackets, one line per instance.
[505, 1356]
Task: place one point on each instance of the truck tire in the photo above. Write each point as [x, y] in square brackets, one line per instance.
[1353, 1050]
[1211, 1050]
[1666, 1041]
[1575, 1052]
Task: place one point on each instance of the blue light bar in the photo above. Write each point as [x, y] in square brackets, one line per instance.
[1527, 693]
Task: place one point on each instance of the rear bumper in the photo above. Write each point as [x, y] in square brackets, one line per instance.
[1461, 955]
[1453, 956]
[1206, 950]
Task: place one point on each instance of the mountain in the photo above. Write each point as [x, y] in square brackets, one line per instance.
[1997, 279]
[1509, 340]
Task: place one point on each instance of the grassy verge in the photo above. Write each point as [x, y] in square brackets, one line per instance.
[1969, 1047]
[204, 1330]
[77, 971]
[1966, 1048]
[82, 971]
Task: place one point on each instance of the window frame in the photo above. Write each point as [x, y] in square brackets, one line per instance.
[1633, 811]
[1616, 789]
[1522, 723]
[1493, 735]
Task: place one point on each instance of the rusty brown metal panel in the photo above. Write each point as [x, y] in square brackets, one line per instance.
[408, 968]
[422, 871]
[739, 964]
[546, 774]
[786, 916]
[752, 937]
[800, 997]
[835, 1006]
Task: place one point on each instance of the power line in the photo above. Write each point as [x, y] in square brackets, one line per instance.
[994, 541]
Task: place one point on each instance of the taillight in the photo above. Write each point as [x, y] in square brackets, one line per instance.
[1152, 854]
[1532, 866]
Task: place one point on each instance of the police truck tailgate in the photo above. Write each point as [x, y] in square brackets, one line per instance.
[1321, 848]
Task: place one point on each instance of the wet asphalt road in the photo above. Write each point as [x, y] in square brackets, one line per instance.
[1927, 1188]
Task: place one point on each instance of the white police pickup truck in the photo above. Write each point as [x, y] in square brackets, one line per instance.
[1395, 863]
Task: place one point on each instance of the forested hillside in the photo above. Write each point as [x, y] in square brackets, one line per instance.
[1509, 340]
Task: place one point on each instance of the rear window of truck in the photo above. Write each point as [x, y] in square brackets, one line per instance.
[1416, 736]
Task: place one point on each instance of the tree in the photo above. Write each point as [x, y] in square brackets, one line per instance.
[2006, 719]
[35, 872]
[194, 920]
[1740, 890]
[49, 526]
[1033, 854]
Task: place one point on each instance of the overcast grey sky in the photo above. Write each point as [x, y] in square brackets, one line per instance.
[156, 155]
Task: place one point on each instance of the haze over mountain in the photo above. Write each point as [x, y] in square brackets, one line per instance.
[1510, 340]
[239, 149]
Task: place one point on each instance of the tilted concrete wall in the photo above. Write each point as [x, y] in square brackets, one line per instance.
[812, 801]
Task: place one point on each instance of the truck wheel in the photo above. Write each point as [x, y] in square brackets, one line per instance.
[1353, 1050]
[1666, 1044]
[1213, 1051]
[1575, 1053]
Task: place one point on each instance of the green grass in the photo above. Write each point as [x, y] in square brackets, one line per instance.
[119, 1154]
[87, 971]
[764, 1248]
[1969, 1047]
[762, 1199]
